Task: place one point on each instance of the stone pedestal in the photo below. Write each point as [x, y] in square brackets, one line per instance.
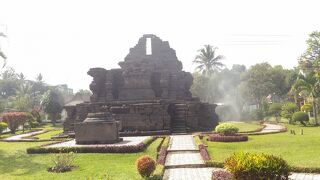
[98, 128]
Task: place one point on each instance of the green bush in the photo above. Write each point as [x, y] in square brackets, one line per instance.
[300, 116]
[3, 126]
[250, 166]
[227, 129]
[145, 165]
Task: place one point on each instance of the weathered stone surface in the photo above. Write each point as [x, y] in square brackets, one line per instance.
[150, 92]
[98, 128]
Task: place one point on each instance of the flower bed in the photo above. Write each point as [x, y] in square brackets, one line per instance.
[229, 138]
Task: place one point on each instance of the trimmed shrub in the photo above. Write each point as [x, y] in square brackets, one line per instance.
[226, 129]
[62, 162]
[233, 138]
[300, 116]
[14, 120]
[3, 126]
[252, 166]
[221, 175]
[145, 165]
[275, 110]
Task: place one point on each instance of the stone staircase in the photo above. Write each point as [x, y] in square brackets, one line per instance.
[179, 119]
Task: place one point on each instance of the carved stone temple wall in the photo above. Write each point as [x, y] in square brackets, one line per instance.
[150, 92]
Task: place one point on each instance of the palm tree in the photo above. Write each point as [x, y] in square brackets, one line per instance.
[208, 61]
[1, 53]
[310, 85]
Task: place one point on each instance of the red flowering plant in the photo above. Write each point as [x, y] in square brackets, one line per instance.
[14, 120]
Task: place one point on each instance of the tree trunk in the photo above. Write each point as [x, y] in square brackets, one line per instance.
[315, 111]
[53, 120]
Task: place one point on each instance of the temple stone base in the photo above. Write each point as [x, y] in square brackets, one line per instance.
[98, 128]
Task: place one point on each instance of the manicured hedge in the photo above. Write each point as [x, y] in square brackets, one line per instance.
[97, 149]
[230, 138]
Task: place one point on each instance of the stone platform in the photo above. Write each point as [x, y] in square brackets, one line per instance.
[127, 141]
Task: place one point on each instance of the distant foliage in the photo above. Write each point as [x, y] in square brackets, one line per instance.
[250, 166]
[14, 120]
[257, 114]
[301, 117]
[288, 109]
[307, 107]
[3, 126]
[227, 129]
[36, 114]
[145, 166]
[52, 105]
[221, 175]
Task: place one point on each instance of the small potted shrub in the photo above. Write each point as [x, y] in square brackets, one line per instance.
[145, 166]
[227, 132]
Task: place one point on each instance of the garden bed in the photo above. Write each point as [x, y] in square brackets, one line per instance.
[227, 138]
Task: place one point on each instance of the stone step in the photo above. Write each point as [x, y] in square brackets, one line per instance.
[183, 159]
[179, 123]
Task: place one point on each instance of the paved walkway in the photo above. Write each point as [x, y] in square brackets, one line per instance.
[184, 161]
[271, 128]
[127, 141]
[23, 136]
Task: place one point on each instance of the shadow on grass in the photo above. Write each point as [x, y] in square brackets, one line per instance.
[19, 163]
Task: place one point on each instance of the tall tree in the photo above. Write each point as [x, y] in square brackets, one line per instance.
[52, 105]
[207, 61]
[309, 84]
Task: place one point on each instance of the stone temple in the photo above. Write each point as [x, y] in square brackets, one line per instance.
[150, 92]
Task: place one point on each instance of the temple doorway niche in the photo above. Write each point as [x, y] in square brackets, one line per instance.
[155, 84]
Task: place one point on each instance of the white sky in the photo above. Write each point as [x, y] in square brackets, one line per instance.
[62, 39]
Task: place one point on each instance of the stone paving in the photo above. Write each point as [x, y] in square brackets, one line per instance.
[271, 128]
[22, 136]
[179, 159]
[183, 153]
[127, 141]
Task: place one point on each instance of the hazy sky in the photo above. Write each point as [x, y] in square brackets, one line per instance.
[62, 39]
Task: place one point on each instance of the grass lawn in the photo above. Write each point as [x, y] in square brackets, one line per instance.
[298, 150]
[246, 126]
[49, 134]
[16, 164]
